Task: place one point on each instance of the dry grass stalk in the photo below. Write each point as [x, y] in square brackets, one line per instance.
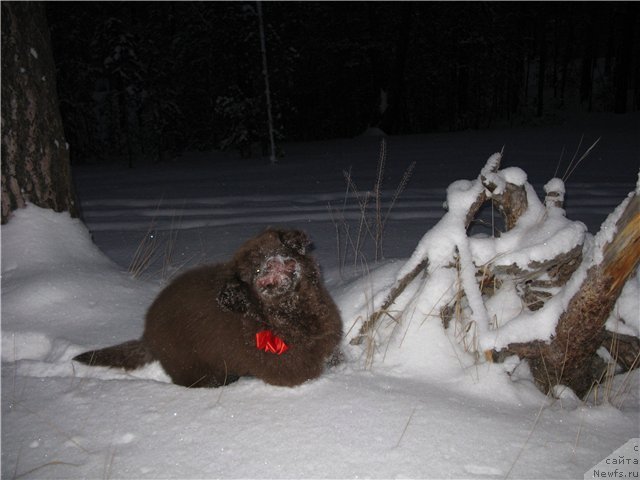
[145, 253]
[626, 349]
[526, 442]
[404, 430]
[169, 247]
[625, 354]
[372, 217]
[465, 329]
[343, 227]
[108, 464]
[363, 221]
[574, 164]
[153, 247]
[44, 465]
[377, 194]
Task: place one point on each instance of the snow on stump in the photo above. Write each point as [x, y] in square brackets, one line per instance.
[542, 289]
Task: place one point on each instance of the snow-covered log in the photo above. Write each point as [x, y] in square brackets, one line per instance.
[570, 358]
[542, 289]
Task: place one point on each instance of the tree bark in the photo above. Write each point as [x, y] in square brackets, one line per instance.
[35, 154]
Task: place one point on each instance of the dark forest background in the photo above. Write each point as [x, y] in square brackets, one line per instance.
[140, 79]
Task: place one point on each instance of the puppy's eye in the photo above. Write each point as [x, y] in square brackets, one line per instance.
[257, 270]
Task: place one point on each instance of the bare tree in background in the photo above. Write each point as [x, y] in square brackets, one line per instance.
[267, 90]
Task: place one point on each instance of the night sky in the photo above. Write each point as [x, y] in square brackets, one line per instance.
[157, 78]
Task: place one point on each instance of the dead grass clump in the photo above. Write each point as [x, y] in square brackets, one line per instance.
[352, 237]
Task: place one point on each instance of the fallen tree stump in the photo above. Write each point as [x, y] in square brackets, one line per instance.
[569, 358]
[542, 259]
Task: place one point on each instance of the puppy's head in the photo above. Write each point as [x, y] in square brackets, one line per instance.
[271, 265]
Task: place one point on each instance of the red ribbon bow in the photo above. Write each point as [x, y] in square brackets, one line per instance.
[267, 341]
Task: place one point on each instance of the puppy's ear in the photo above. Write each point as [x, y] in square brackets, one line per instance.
[234, 297]
[296, 240]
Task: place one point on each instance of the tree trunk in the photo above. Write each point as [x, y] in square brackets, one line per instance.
[624, 60]
[542, 65]
[267, 90]
[395, 117]
[35, 154]
[588, 59]
[566, 59]
[378, 81]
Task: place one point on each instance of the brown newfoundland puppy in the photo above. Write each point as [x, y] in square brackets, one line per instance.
[265, 314]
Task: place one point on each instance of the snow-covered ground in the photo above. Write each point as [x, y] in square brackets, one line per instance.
[428, 413]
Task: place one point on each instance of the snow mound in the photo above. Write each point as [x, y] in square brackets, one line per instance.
[56, 284]
[373, 132]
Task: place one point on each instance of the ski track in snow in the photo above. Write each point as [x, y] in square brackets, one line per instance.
[140, 214]
[119, 225]
[219, 212]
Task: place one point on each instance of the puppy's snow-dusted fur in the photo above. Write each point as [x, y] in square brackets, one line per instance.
[202, 327]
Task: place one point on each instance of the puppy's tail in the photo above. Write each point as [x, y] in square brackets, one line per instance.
[129, 355]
